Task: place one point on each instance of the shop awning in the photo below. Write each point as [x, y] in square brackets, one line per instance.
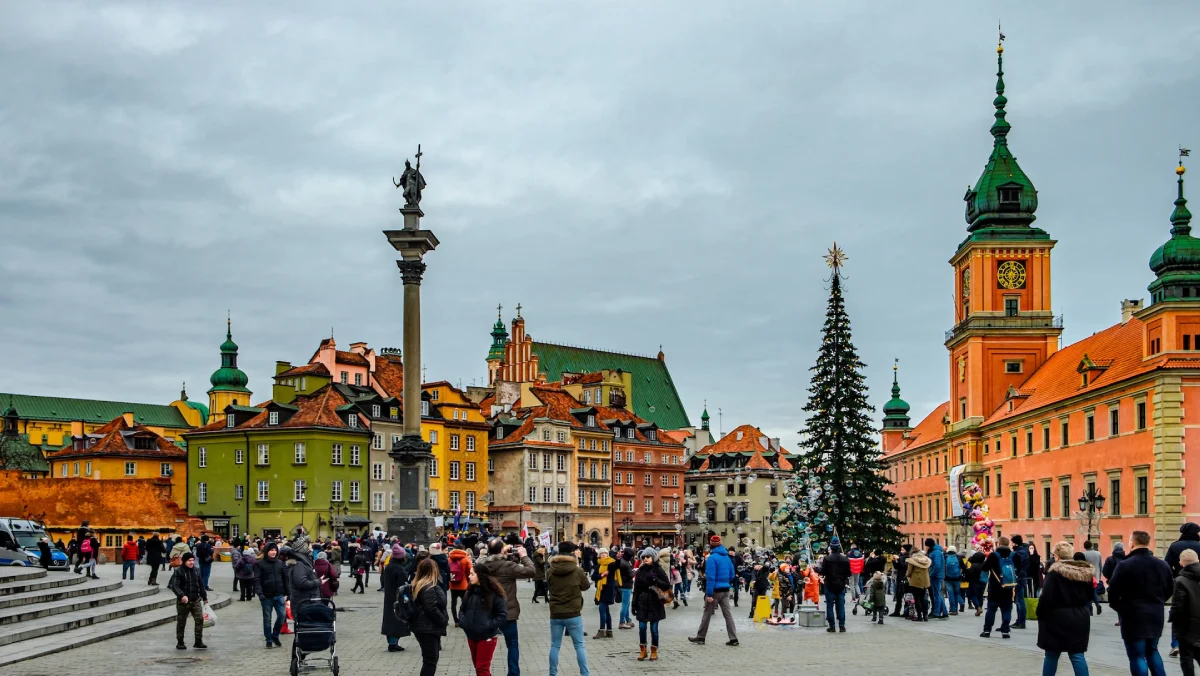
[355, 520]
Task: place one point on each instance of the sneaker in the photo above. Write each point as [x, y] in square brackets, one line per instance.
[986, 634]
[394, 648]
[276, 642]
[1004, 636]
[831, 630]
[1019, 626]
[1174, 652]
[842, 629]
[180, 646]
[696, 639]
[733, 642]
[200, 646]
[270, 645]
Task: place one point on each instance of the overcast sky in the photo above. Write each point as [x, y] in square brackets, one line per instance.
[631, 173]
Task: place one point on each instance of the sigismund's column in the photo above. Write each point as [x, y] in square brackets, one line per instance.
[411, 520]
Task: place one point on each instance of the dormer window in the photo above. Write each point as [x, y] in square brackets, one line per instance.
[144, 443]
[375, 410]
[229, 421]
[629, 433]
[653, 435]
[273, 418]
[352, 420]
[617, 432]
[1010, 195]
[1085, 379]
[433, 394]
[591, 420]
[393, 413]
[425, 407]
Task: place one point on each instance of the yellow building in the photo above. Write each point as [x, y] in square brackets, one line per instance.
[123, 449]
[455, 426]
[52, 421]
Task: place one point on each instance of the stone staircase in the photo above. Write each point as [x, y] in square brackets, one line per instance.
[45, 612]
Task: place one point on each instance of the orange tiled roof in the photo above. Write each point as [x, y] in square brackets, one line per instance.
[583, 378]
[117, 441]
[317, 369]
[928, 431]
[389, 374]
[730, 443]
[351, 358]
[677, 436]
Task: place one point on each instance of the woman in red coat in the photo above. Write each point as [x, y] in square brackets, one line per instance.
[324, 571]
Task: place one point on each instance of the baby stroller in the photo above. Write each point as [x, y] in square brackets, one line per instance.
[316, 632]
[863, 602]
[910, 607]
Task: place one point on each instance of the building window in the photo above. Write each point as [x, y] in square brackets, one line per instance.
[433, 500]
[1064, 499]
[1012, 438]
[264, 491]
[593, 468]
[648, 505]
[453, 499]
[962, 408]
[652, 435]
[617, 432]
[345, 377]
[533, 493]
[1064, 433]
[1141, 415]
[470, 471]
[201, 457]
[1046, 437]
[377, 471]
[229, 421]
[239, 456]
[424, 408]
[352, 420]
[239, 492]
[1029, 440]
[561, 462]
[664, 481]
[1010, 195]
[617, 478]
[604, 470]
[987, 485]
[1012, 505]
[377, 442]
[335, 491]
[629, 434]
[592, 498]
[1013, 366]
[354, 492]
[299, 490]
[591, 420]
[264, 454]
[433, 467]
[454, 470]
[491, 466]
[454, 442]
[1143, 495]
[470, 443]
[131, 469]
[1091, 427]
[273, 418]
[1029, 502]
[604, 498]
[164, 469]
[647, 457]
[375, 411]
[1114, 496]
[562, 496]
[355, 456]
[202, 490]
[646, 479]
[1012, 306]
[533, 459]
[545, 435]
[1046, 502]
[1114, 421]
[335, 454]
[377, 502]
[546, 462]
[470, 500]
[301, 456]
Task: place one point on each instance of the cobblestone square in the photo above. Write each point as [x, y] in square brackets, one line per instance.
[897, 648]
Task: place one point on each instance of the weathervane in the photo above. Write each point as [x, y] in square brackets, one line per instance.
[835, 258]
[412, 182]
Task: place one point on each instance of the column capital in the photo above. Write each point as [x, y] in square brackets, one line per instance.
[411, 270]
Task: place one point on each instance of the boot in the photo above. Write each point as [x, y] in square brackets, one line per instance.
[599, 634]
[642, 652]
[653, 653]
[608, 633]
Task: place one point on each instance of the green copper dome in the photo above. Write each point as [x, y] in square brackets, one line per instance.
[895, 412]
[1003, 200]
[1176, 264]
[499, 336]
[229, 377]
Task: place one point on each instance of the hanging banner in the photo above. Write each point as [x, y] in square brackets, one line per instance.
[544, 540]
[956, 489]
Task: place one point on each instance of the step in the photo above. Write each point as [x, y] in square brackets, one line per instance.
[22, 614]
[20, 573]
[48, 582]
[83, 588]
[57, 640]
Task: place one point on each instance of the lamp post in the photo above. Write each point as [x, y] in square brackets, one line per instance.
[627, 529]
[965, 520]
[1091, 511]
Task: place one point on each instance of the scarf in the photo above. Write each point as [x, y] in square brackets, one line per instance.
[605, 561]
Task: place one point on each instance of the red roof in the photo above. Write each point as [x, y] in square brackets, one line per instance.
[316, 369]
[749, 442]
[117, 440]
[351, 358]
[389, 374]
[928, 431]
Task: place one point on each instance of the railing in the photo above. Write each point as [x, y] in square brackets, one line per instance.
[1018, 322]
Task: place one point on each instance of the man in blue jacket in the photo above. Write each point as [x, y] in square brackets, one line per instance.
[719, 574]
[937, 577]
[1020, 557]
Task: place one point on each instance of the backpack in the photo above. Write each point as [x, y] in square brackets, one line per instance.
[456, 571]
[404, 609]
[1008, 572]
[953, 567]
[86, 546]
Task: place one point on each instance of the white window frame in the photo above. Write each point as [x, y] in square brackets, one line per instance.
[562, 495]
[377, 441]
[377, 471]
[202, 457]
[335, 490]
[300, 456]
[355, 491]
[164, 469]
[470, 474]
[239, 492]
[202, 492]
[264, 490]
[355, 456]
[264, 454]
[335, 454]
[470, 442]
[377, 501]
[239, 456]
[454, 502]
[470, 501]
[532, 494]
[352, 420]
[375, 413]
[454, 467]
[299, 490]
[273, 418]
[130, 468]
[433, 467]
[454, 442]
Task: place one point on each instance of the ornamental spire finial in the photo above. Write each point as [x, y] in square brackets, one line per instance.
[1181, 218]
[1000, 127]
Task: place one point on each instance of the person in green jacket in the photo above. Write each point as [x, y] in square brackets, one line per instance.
[567, 582]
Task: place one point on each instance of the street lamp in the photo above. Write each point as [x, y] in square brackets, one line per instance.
[627, 529]
[1091, 510]
[965, 519]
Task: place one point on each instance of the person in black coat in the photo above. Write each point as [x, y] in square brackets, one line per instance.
[1185, 611]
[1000, 597]
[1189, 538]
[395, 576]
[1063, 609]
[900, 566]
[975, 581]
[156, 552]
[44, 556]
[1140, 587]
[484, 612]
[430, 617]
[648, 607]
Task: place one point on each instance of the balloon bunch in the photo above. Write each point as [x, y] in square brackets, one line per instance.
[973, 501]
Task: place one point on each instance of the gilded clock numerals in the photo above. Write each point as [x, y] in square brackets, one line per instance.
[1011, 275]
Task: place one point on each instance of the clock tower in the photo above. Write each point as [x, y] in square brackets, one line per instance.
[1004, 328]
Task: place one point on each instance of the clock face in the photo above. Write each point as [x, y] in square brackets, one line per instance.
[966, 284]
[1011, 275]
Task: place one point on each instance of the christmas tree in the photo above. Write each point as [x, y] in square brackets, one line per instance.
[840, 488]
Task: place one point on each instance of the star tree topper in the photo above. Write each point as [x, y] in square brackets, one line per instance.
[835, 258]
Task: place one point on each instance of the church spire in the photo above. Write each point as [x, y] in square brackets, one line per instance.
[895, 412]
[1176, 264]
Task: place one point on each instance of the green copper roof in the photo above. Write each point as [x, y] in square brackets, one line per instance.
[1176, 264]
[62, 409]
[1003, 198]
[229, 378]
[654, 396]
[499, 335]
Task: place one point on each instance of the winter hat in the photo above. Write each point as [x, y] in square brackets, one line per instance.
[951, 549]
[271, 547]
[321, 555]
[187, 556]
[566, 548]
[301, 546]
[435, 548]
[1190, 529]
[714, 540]
[835, 544]
[398, 551]
[649, 551]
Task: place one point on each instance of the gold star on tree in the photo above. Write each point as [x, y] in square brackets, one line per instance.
[835, 258]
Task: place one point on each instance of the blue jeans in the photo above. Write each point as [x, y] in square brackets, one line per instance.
[1022, 584]
[393, 640]
[605, 617]
[574, 627]
[279, 605]
[954, 595]
[1050, 664]
[687, 584]
[1144, 658]
[989, 618]
[509, 629]
[205, 573]
[653, 633]
[935, 593]
[835, 599]
[127, 567]
[626, 594]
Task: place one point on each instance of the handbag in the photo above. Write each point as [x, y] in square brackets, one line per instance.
[176, 561]
[664, 595]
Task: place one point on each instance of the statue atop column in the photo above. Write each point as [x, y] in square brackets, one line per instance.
[412, 182]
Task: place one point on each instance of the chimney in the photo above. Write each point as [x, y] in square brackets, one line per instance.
[775, 444]
[128, 419]
[1128, 308]
[358, 348]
